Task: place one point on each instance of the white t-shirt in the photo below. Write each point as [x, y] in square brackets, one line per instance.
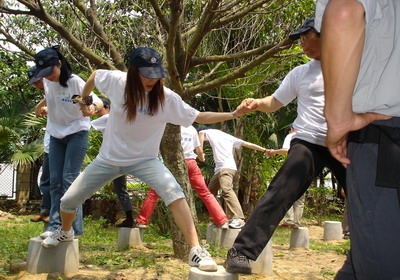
[65, 118]
[100, 123]
[46, 142]
[189, 141]
[222, 145]
[306, 83]
[128, 143]
[288, 139]
[378, 83]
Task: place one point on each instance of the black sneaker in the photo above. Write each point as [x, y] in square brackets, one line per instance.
[236, 262]
[126, 223]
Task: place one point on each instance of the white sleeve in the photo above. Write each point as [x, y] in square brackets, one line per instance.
[287, 91]
[179, 112]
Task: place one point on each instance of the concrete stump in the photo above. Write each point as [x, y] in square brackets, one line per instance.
[332, 230]
[221, 237]
[263, 264]
[63, 258]
[220, 274]
[299, 238]
[214, 235]
[130, 236]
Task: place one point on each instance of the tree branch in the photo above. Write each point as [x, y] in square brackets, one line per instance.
[238, 14]
[238, 73]
[97, 29]
[174, 75]
[11, 40]
[160, 15]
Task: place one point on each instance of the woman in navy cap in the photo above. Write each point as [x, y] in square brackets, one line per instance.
[142, 107]
[67, 127]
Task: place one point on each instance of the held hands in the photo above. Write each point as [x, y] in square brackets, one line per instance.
[248, 105]
[41, 112]
[86, 104]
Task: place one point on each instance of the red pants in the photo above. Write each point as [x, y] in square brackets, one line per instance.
[199, 185]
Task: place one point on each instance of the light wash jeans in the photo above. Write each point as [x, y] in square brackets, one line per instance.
[44, 186]
[152, 172]
[65, 159]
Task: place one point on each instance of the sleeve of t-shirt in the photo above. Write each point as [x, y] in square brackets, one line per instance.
[108, 80]
[179, 112]
[287, 91]
[100, 123]
[237, 143]
[196, 140]
[372, 8]
[75, 85]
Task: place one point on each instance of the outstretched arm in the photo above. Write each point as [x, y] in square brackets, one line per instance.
[214, 117]
[342, 35]
[255, 147]
[267, 104]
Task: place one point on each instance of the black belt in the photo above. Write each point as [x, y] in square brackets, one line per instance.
[388, 161]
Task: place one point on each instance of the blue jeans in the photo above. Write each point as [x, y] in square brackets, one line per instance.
[65, 158]
[152, 172]
[44, 186]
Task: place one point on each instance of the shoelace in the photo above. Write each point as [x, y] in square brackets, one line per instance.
[202, 253]
[239, 255]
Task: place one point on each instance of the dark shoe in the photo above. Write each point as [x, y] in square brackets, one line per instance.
[126, 223]
[41, 217]
[236, 262]
[346, 235]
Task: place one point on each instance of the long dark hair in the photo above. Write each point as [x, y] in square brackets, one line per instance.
[65, 70]
[135, 96]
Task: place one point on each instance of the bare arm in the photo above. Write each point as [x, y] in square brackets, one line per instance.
[342, 37]
[41, 109]
[87, 89]
[267, 104]
[282, 151]
[200, 153]
[201, 138]
[214, 117]
[254, 147]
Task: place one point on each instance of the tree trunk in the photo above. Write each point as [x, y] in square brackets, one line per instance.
[172, 154]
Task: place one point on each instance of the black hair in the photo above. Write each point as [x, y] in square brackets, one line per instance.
[65, 69]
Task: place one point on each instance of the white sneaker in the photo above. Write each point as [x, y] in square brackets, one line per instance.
[58, 236]
[139, 225]
[199, 257]
[45, 234]
[237, 223]
[224, 225]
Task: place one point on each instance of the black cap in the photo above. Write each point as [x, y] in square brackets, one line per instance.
[106, 103]
[45, 61]
[148, 62]
[202, 127]
[31, 72]
[308, 24]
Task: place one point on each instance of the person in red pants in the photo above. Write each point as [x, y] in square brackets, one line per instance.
[190, 142]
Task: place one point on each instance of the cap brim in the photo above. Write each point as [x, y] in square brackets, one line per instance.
[153, 72]
[41, 73]
[296, 35]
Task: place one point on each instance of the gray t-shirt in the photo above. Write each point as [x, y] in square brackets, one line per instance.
[378, 84]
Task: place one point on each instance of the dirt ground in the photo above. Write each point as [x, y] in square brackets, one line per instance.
[293, 264]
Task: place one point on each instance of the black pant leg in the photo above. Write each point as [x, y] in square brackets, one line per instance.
[303, 164]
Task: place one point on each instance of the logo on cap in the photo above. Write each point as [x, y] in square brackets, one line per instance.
[153, 60]
[40, 62]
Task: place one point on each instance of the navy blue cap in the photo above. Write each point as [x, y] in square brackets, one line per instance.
[307, 25]
[31, 72]
[106, 103]
[45, 60]
[148, 61]
[202, 127]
